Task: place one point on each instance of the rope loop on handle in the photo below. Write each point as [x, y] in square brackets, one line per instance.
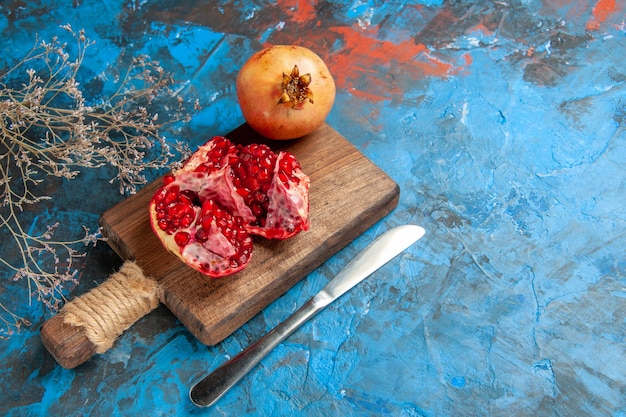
[108, 310]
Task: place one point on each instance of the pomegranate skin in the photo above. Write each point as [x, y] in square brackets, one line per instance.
[260, 87]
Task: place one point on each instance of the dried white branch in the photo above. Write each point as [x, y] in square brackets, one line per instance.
[47, 129]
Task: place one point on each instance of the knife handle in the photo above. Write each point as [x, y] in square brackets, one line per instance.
[211, 388]
[91, 323]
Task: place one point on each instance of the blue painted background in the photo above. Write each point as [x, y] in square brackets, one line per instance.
[503, 124]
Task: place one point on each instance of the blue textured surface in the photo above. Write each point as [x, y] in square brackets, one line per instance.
[503, 124]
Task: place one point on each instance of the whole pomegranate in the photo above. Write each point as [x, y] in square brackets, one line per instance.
[206, 211]
[285, 91]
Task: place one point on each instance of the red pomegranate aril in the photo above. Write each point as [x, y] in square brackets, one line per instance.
[160, 195]
[171, 196]
[201, 235]
[260, 197]
[264, 175]
[224, 222]
[257, 209]
[244, 192]
[168, 179]
[186, 220]
[177, 209]
[182, 238]
[208, 208]
[283, 177]
[287, 164]
[206, 222]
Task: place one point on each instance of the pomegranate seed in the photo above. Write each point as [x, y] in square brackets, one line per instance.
[257, 209]
[283, 177]
[182, 238]
[223, 222]
[264, 175]
[260, 197]
[253, 170]
[160, 195]
[171, 196]
[186, 220]
[201, 235]
[244, 192]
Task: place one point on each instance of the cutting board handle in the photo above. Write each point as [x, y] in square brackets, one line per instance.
[91, 323]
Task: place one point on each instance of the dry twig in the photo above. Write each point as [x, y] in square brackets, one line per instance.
[48, 130]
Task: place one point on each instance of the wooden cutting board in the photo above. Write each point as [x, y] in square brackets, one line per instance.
[348, 195]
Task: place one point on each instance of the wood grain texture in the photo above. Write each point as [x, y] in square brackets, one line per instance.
[67, 344]
[348, 195]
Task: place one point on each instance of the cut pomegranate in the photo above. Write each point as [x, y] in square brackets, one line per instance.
[205, 212]
[284, 204]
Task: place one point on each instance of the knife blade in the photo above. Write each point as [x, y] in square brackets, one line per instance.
[384, 248]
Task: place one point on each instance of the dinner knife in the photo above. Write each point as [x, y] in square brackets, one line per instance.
[384, 248]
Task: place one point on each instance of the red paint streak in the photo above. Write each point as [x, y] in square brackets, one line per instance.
[468, 60]
[299, 11]
[482, 29]
[379, 70]
[601, 11]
